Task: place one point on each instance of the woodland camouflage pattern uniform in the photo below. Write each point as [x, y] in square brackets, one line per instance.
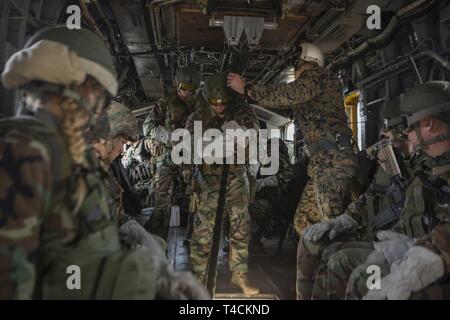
[172, 114]
[419, 204]
[53, 205]
[237, 196]
[342, 257]
[120, 122]
[314, 256]
[355, 246]
[425, 207]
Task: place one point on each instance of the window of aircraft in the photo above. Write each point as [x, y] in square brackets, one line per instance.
[289, 131]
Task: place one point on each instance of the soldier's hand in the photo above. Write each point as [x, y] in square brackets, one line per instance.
[418, 269]
[162, 135]
[236, 82]
[392, 245]
[333, 228]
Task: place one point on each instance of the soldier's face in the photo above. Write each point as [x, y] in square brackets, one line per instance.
[184, 94]
[431, 128]
[118, 143]
[218, 108]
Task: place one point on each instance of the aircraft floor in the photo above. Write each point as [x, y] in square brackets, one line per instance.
[272, 273]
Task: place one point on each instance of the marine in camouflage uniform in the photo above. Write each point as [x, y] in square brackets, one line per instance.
[316, 100]
[166, 116]
[217, 110]
[375, 210]
[53, 205]
[427, 201]
[122, 128]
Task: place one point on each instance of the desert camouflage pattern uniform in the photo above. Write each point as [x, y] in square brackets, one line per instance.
[421, 215]
[236, 201]
[172, 114]
[317, 103]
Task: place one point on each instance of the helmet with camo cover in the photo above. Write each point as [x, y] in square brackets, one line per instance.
[215, 90]
[188, 78]
[121, 121]
[429, 99]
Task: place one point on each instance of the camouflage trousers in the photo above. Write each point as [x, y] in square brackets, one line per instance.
[336, 267]
[312, 258]
[236, 209]
[163, 186]
[328, 191]
[357, 285]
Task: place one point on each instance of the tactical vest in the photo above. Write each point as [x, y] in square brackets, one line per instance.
[107, 269]
[376, 202]
[385, 202]
[427, 202]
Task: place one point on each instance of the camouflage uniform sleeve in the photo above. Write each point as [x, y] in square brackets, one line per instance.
[24, 195]
[287, 95]
[156, 116]
[438, 241]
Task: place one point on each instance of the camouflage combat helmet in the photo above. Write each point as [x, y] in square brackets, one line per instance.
[61, 56]
[121, 121]
[215, 91]
[429, 99]
[188, 78]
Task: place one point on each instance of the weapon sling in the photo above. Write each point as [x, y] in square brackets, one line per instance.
[211, 273]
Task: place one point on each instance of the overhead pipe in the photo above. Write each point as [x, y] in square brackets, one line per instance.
[394, 67]
[384, 37]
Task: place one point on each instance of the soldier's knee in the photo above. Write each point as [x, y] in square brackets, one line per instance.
[310, 248]
[337, 260]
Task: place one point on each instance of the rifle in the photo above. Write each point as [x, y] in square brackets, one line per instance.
[383, 152]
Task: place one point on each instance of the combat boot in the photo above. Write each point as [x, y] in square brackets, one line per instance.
[240, 280]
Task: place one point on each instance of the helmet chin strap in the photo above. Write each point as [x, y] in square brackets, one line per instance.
[423, 144]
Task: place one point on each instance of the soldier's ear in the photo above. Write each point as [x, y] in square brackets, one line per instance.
[429, 124]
